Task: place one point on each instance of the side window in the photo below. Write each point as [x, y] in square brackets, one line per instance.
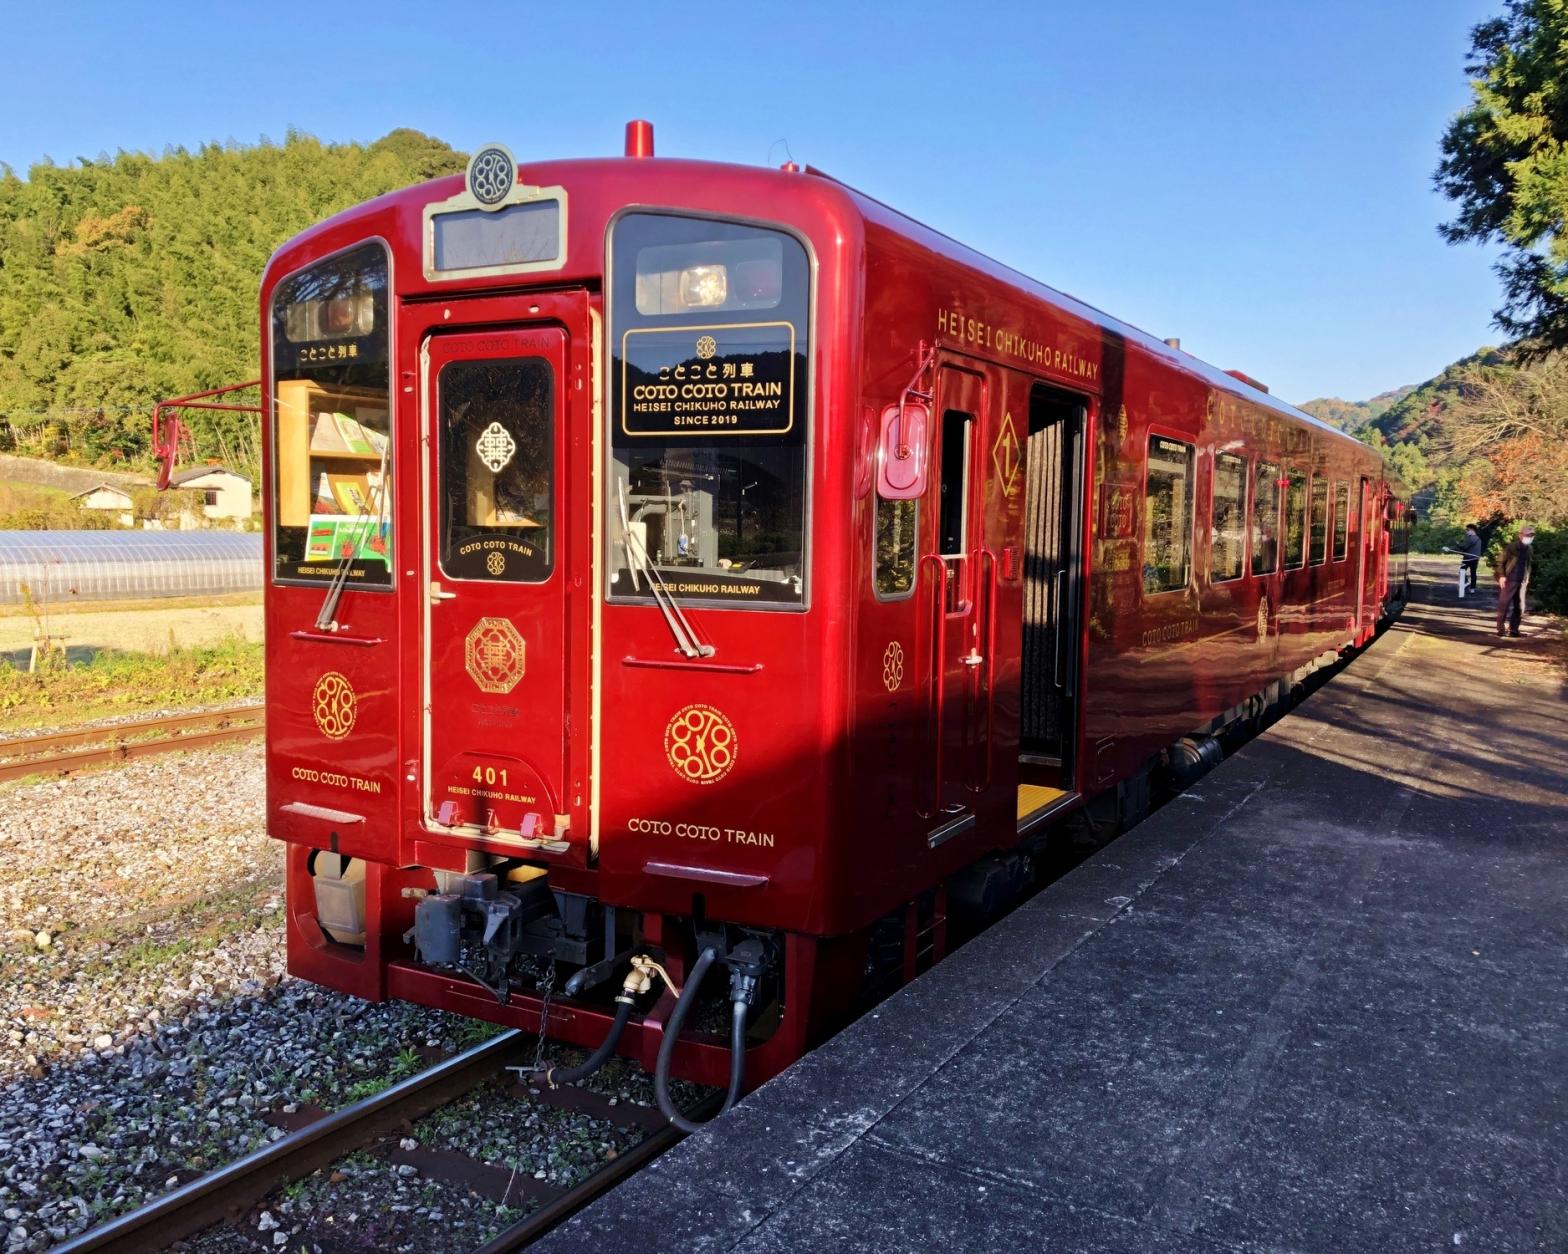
[955, 476]
[1341, 521]
[896, 533]
[1265, 519]
[1296, 521]
[1167, 515]
[1227, 546]
[1319, 543]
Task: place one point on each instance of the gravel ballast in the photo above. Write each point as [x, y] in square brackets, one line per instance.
[153, 1035]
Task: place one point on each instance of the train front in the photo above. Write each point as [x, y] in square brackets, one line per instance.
[547, 719]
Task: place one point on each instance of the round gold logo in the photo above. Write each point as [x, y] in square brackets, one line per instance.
[494, 654]
[700, 743]
[495, 562]
[893, 666]
[706, 346]
[333, 705]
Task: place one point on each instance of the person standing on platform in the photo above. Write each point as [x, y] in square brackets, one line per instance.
[1513, 572]
[1470, 557]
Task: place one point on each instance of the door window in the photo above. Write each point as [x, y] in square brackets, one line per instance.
[955, 479]
[497, 469]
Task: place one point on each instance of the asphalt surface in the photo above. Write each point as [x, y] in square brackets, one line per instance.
[1320, 1002]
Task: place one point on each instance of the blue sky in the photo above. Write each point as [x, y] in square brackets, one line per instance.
[1254, 178]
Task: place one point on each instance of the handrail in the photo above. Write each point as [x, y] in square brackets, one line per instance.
[167, 430]
[985, 575]
[937, 679]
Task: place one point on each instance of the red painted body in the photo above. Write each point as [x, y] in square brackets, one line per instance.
[824, 822]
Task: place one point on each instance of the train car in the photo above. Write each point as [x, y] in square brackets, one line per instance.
[679, 566]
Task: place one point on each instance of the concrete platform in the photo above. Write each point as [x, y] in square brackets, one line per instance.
[1319, 1003]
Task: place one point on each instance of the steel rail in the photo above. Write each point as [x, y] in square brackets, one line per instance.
[223, 1195]
[51, 753]
[602, 1180]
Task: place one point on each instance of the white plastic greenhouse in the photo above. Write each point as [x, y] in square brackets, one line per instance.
[59, 567]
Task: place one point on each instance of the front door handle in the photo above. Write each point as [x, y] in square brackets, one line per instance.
[437, 595]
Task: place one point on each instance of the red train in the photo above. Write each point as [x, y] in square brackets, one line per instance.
[707, 565]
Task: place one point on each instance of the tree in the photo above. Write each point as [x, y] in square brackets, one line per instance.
[1505, 163]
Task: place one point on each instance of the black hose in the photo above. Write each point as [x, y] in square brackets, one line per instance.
[672, 1032]
[551, 1078]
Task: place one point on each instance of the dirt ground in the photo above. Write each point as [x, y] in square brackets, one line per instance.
[145, 628]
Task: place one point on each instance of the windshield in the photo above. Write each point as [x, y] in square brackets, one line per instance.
[331, 434]
[709, 411]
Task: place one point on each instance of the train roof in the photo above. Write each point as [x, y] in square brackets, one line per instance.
[760, 184]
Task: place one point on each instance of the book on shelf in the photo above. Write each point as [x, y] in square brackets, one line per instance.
[325, 436]
[340, 493]
[353, 434]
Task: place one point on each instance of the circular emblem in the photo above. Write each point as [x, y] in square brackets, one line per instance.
[333, 705]
[1263, 619]
[495, 562]
[491, 172]
[700, 744]
[706, 346]
[494, 653]
[893, 666]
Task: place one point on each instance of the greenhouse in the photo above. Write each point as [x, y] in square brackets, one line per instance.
[59, 567]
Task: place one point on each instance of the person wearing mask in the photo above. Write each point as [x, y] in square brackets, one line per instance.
[1513, 572]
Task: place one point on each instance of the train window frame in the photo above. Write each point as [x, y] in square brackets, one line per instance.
[1317, 539]
[1339, 523]
[1189, 514]
[1261, 471]
[877, 565]
[1294, 476]
[1214, 520]
[270, 380]
[609, 427]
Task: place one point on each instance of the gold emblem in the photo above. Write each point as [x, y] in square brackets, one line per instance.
[706, 346]
[1263, 619]
[495, 447]
[893, 666]
[1007, 456]
[493, 653]
[700, 744]
[333, 705]
[495, 562]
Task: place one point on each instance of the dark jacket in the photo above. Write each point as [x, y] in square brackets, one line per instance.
[1471, 545]
[1515, 558]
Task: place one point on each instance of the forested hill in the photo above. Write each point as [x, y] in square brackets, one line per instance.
[125, 280]
[1353, 415]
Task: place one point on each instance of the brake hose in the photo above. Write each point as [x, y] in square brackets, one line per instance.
[672, 1032]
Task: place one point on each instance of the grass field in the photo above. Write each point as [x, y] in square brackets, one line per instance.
[111, 682]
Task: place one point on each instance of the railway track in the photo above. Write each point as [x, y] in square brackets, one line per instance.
[223, 1196]
[60, 753]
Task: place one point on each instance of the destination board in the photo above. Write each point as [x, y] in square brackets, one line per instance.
[736, 379]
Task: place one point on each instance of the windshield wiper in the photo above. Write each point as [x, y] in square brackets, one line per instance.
[637, 560]
[326, 617]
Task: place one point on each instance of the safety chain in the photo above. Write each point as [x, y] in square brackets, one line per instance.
[547, 989]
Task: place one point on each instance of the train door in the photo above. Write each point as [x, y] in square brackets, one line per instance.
[1051, 571]
[497, 652]
[1366, 614]
[947, 590]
